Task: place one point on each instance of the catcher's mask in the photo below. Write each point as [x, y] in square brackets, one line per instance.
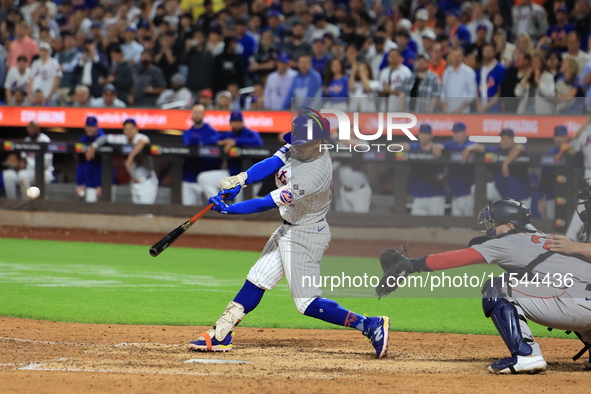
[583, 194]
[505, 211]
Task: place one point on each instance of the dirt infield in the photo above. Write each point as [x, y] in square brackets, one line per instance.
[48, 357]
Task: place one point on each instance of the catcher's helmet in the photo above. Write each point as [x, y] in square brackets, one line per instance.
[505, 211]
[307, 127]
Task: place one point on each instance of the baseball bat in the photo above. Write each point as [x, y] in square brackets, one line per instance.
[175, 234]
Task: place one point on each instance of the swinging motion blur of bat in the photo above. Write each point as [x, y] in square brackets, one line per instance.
[175, 234]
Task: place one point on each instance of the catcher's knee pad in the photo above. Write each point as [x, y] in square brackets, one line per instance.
[505, 317]
[492, 293]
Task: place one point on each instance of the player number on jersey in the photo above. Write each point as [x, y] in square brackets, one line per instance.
[536, 239]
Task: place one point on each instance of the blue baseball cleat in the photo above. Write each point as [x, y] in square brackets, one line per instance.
[205, 343]
[378, 334]
[519, 364]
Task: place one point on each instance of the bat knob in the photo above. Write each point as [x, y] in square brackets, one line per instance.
[154, 252]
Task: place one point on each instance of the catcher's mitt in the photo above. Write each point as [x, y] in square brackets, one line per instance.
[395, 265]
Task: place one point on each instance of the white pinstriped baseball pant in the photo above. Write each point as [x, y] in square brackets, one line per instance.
[294, 252]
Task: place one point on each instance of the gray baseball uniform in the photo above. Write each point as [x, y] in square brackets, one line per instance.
[561, 299]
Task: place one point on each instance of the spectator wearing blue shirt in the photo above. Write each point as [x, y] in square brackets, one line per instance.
[508, 183]
[320, 56]
[336, 86]
[547, 188]
[559, 32]
[246, 45]
[89, 172]
[276, 27]
[239, 137]
[200, 134]
[306, 84]
[406, 25]
[460, 177]
[488, 80]
[426, 179]
[408, 55]
[457, 31]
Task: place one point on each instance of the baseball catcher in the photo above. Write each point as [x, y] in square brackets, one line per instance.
[545, 286]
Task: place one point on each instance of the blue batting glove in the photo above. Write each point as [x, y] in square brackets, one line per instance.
[230, 194]
[219, 205]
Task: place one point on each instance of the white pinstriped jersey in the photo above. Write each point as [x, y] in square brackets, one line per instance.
[304, 188]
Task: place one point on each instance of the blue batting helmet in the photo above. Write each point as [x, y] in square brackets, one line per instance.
[505, 211]
[309, 126]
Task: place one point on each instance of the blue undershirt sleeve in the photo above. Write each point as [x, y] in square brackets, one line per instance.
[262, 169]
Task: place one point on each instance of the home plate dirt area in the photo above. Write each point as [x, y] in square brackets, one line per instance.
[49, 357]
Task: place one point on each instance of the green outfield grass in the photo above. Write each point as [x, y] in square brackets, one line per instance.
[122, 284]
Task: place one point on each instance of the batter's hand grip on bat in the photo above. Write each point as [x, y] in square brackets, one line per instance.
[175, 234]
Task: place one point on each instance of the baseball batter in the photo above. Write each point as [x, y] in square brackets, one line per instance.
[551, 289]
[303, 176]
[144, 183]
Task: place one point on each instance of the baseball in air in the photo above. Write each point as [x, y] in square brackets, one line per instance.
[33, 192]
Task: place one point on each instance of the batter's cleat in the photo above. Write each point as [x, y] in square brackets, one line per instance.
[587, 364]
[519, 364]
[207, 344]
[378, 334]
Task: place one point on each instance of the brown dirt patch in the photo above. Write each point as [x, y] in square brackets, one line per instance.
[49, 357]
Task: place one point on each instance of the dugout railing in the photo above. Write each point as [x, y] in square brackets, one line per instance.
[566, 177]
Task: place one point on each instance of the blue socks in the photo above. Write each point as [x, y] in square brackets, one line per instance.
[249, 296]
[321, 308]
[330, 311]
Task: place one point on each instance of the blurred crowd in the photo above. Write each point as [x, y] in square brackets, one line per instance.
[522, 56]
